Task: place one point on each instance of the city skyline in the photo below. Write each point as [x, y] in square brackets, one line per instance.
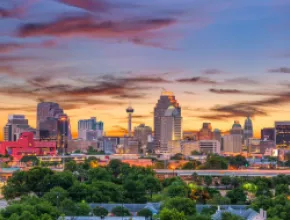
[223, 61]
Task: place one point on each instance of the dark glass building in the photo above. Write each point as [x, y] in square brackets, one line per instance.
[268, 134]
[63, 133]
[282, 129]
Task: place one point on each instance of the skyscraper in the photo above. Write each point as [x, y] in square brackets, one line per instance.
[248, 129]
[47, 118]
[232, 143]
[130, 111]
[217, 135]
[282, 134]
[237, 128]
[90, 129]
[15, 125]
[205, 132]
[63, 133]
[167, 120]
[143, 134]
[268, 134]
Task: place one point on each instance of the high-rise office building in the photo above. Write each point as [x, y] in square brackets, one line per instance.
[232, 143]
[268, 134]
[166, 101]
[170, 128]
[143, 134]
[90, 129]
[236, 128]
[15, 126]
[217, 135]
[205, 132]
[63, 133]
[282, 134]
[248, 129]
[47, 120]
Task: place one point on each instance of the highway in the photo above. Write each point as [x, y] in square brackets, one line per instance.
[248, 172]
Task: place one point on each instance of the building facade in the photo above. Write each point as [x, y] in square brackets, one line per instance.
[63, 133]
[237, 128]
[166, 101]
[232, 143]
[248, 130]
[26, 145]
[205, 132]
[268, 134]
[15, 125]
[282, 137]
[210, 146]
[90, 129]
[47, 120]
[143, 134]
[170, 128]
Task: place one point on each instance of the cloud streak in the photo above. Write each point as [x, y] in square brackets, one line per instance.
[196, 80]
[280, 70]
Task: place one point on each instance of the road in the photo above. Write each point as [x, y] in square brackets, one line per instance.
[266, 173]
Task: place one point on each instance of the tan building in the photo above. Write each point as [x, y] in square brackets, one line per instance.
[83, 145]
[232, 143]
[184, 147]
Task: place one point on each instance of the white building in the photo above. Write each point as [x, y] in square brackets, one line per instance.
[232, 143]
[210, 146]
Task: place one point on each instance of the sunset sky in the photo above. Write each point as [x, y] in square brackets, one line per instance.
[223, 59]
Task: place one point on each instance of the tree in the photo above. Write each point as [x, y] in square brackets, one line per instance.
[216, 162]
[281, 189]
[99, 174]
[120, 211]
[177, 156]
[209, 210]
[229, 216]
[185, 205]
[263, 202]
[207, 180]
[219, 200]
[173, 214]
[237, 196]
[177, 190]
[237, 161]
[82, 209]
[71, 166]
[152, 184]
[33, 160]
[100, 211]
[226, 180]
[56, 195]
[115, 167]
[134, 191]
[196, 178]
[145, 212]
[68, 207]
[191, 165]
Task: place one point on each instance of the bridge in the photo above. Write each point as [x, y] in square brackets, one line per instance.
[244, 173]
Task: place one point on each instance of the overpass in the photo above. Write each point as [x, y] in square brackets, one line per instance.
[244, 173]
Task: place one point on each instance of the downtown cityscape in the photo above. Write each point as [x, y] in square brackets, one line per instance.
[144, 110]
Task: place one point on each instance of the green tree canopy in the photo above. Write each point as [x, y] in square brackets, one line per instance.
[185, 205]
[237, 196]
[171, 214]
[145, 212]
[121, 211]
[100, 211]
